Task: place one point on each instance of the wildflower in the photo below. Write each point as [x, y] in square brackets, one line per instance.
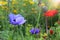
[50, 13]
[45, 35]
[16, 19]
[14, 2]
[34, 31]
[51, 32]
[44, 8]
[31, 2]
[14, 11]
[3, 3]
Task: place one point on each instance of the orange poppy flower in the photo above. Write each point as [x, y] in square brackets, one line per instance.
[50, 13]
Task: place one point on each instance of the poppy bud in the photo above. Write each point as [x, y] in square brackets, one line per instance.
[51, 32]
[44, 9]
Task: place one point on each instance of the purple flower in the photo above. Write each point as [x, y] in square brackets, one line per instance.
[34, 31]
[16, 19]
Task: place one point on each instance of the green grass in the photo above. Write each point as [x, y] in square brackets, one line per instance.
[34, 19]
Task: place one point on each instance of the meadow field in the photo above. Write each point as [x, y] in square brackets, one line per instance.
[29, 19]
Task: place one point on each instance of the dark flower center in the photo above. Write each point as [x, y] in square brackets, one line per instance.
[14, 20]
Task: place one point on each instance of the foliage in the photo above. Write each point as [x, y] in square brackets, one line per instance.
[34, 15]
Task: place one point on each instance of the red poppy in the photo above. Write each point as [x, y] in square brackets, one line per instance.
[50, 13]
[51, 32]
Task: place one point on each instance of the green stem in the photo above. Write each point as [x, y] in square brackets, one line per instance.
[46, 25]
[9, 5]
[51, 22]
[38, 18]
[20, 32]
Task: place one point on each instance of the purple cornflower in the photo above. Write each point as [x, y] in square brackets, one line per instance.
[34, 31]
[16, 19]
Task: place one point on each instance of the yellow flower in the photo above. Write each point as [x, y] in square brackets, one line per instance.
[14, 2]
[15, 11]
[0, 2]
[31, 2]
[3, 3]
[45, 34]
